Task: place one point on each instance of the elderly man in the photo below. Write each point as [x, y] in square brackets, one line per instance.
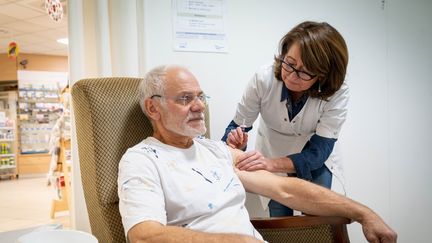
[176, 186]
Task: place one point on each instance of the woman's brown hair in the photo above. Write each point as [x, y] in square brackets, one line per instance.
[323, 52]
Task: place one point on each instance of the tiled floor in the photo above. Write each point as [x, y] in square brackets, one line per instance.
[26, 202]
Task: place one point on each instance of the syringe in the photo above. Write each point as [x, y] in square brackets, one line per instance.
[243, 126]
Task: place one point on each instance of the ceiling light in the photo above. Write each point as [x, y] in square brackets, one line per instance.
[54, 9]
[64, 41]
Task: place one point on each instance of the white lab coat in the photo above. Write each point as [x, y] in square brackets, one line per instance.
[277, 136]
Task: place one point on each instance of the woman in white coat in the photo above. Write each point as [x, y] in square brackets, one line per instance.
[302, 100]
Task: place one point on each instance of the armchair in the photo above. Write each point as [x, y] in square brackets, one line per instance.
[303, 229]
[109, 120]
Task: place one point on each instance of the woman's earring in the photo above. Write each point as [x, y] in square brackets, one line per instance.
[319, 87]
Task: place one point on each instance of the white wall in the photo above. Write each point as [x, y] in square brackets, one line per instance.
[385, 139]
[409, 65]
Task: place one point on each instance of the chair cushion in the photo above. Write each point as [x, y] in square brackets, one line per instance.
[109, 120]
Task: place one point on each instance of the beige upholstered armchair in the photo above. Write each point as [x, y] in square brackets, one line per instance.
[109, 120]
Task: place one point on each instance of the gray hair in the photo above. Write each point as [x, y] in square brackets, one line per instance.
[153, 83]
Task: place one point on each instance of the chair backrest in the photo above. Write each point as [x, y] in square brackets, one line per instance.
[108, 121]
[303, 229]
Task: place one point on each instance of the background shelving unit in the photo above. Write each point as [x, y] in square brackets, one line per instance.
[8, 142]
[39, 107]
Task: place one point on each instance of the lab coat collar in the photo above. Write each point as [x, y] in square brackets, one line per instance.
[285, 95]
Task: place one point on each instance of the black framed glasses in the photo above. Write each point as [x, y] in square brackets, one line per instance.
[301, 74]
[185, 99]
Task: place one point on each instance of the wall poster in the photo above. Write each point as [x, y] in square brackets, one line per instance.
[199, 25]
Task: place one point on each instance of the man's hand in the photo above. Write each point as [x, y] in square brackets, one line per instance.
[237, 139]
[254, 160]
[376, 231]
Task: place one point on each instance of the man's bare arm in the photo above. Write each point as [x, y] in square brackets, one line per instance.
[299, 194]
[313, 199]
[151, 231]
[316, 200]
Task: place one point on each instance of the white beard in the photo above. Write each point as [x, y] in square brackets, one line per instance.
[184, 128]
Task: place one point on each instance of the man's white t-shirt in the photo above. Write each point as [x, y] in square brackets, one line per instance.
[195, 188]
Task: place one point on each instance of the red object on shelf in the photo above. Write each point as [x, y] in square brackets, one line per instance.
[60, 181]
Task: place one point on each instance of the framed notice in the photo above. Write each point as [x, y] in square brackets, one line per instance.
[199, 25]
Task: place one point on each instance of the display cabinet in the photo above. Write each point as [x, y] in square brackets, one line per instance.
[8, 141]
[39, 108]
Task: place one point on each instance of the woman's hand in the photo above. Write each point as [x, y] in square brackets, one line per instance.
[237, 139]
[254, 160]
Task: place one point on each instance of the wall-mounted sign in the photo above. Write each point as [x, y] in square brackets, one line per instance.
[199, 25]
[13, 50]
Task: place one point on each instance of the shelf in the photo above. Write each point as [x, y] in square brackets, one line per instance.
[38, 110]
[7, 128]
[7, 155]
[35, 155]
[44, 100]
[43, 152]
[5, 167]
[40, 90]
[7, 140]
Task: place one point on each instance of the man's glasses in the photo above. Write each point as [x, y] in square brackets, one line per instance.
[301, 74]
[185, 99]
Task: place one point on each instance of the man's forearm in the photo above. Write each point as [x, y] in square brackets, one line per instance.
[149, 232]
[302, 195]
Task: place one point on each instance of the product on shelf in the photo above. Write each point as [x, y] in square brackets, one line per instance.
[39, 108]
[7, 134]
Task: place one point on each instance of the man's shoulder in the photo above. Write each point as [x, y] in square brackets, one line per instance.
[216, 147]
[141, 158]
[209, 143]
[143, 148]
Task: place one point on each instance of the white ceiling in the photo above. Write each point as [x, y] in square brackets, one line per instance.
[27, 23]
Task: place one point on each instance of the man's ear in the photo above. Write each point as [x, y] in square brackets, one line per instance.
[152, 109]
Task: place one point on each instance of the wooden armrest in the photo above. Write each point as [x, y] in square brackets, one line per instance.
[313, 228]
[297, 221]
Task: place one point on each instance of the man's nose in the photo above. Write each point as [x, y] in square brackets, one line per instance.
[198, 105]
